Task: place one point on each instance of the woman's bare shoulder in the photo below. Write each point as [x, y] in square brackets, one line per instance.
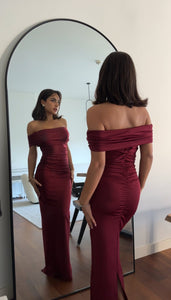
[145, 115]
[94, 120]
[63, 122]
[92, 112]
[148, 118]
[93, 109]
[31, 127]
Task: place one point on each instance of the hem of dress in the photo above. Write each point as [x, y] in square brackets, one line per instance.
[51, 274]
[122, 288]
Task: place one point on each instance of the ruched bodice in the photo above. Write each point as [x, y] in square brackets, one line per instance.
[53, 144]
[113, 203]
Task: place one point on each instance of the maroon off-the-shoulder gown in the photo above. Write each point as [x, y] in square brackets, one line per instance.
[55, 194]
[113, 203]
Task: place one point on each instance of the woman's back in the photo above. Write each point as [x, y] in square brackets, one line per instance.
[108, 116]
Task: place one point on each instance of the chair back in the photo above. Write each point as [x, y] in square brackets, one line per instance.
[77, 188]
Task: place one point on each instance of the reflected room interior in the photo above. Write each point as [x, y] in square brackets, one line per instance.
[66, 55]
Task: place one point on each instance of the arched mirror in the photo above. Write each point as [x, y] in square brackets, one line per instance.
[66, 55]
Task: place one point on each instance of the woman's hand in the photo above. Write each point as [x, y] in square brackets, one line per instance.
[86, 208]
[34, 184]
[88, 215]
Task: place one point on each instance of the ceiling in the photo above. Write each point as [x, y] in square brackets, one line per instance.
[61, 55]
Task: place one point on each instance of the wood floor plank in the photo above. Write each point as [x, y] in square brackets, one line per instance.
[151, 280]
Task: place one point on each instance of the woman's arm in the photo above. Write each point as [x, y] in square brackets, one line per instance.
[94, 172]
[71, 166]
[146, 159]
[93, 177]
[32, 158]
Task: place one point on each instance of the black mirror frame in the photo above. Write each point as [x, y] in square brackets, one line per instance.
[9, 148]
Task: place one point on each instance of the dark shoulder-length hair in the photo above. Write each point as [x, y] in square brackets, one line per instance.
[39, 111]
[117, 81]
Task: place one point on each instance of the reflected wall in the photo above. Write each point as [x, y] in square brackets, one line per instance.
[59, 54]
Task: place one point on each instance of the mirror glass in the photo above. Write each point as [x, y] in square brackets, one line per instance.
[65, 55]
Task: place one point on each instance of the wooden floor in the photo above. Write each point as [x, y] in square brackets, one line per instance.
[151, 280]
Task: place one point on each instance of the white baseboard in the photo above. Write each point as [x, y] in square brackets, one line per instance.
[152, 248]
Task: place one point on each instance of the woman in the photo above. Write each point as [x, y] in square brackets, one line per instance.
[52, 180]
[117, 124]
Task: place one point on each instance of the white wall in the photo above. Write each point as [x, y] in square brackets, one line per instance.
[141, 28]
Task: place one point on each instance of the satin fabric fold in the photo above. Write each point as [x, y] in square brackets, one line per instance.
[106, 140]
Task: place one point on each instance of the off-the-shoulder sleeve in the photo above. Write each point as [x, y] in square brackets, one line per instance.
[97, 140]
[106, 140]
[32, 140]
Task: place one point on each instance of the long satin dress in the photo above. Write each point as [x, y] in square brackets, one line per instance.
[113, 203]
[55, 194]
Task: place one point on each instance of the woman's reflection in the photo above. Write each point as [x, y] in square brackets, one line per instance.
[52, 180]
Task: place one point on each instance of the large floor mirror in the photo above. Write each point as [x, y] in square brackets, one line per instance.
[66, 55]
